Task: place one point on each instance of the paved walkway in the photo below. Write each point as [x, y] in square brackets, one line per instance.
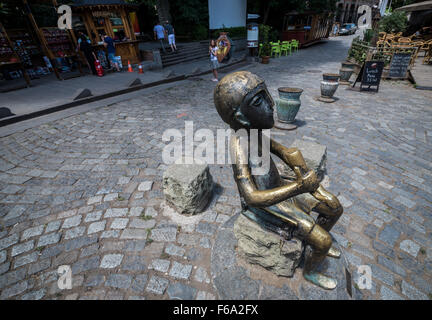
[85, 190]
[49, 92]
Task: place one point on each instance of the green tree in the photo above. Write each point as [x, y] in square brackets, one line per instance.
[394, 22]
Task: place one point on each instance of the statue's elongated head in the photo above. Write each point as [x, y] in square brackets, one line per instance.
[243, 101]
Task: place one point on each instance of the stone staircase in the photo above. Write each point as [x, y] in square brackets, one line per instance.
[185, 52]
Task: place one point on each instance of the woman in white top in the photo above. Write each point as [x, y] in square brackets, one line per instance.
[213, 50]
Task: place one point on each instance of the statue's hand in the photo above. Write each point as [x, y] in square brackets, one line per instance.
[309, 182]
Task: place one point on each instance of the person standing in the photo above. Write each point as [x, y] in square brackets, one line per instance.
[109, 45]
[171, 36]
[213, 50]
[159, 34]
[84, 45]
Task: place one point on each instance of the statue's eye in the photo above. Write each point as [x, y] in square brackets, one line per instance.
[257, 101]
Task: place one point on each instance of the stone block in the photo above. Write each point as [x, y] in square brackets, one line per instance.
[188, 187]
[315, 156]
[266, 248]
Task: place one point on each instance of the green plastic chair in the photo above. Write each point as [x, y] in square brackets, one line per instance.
[286, 47]
[295, 44]
[275, 49]
[259, 50]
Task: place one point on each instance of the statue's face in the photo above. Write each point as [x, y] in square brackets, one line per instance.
[258, 109]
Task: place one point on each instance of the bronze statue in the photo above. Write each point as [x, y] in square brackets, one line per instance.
[242, 100]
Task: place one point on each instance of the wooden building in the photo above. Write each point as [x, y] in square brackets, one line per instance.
[306, 27]
[111, 17]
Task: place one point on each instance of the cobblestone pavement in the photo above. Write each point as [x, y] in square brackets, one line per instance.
[85, 191]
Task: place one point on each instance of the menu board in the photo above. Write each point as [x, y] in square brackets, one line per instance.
[399, 65]
[372, 73]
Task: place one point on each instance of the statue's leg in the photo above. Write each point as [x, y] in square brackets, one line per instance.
[316, 237]
[329, 208]
[320, 242]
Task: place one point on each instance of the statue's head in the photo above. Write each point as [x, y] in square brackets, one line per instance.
[242, 100]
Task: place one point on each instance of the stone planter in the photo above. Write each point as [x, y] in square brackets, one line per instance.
[331, 77]
[345, 74]
[328, 89]
[287, 107]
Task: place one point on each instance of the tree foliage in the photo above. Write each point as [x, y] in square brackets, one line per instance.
[394, 22]
[190, 17]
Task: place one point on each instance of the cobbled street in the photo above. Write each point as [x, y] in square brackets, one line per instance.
[85, 190]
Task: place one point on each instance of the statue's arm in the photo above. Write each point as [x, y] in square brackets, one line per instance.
[291, 156]
[265, 198]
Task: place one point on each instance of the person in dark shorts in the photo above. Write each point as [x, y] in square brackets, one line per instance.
[109, 44]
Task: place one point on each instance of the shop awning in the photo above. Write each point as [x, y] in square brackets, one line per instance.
[420, 6]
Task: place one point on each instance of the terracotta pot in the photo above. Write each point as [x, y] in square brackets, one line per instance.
[265, 59]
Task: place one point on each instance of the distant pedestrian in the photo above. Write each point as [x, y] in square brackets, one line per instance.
[109, 44]
[213, 50]
[84, 45]
[171, 36]
[159, 34]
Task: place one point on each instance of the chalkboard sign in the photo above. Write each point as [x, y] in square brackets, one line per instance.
[399, 65]
[370, 75]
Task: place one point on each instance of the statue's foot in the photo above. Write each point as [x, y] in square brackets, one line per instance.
[320, 280]
[334, 253]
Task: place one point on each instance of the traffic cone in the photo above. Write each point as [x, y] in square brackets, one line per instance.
[140, 68]
[129, 67]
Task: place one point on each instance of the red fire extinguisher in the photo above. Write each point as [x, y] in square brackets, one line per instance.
[99, 69]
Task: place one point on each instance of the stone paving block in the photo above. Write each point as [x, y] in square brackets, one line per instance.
[139, 282]
[26, 259]
[180, 271]
[34, 295]
[413, 293]
[201, 275]
[206, 228]
[160, 265]
[180, 291]
[95, 199]
[8, 241]
[95, 280]
[174, 250]
[136, 211]
[388, 294]
[410, 247]
[4, 267]
[391, 265]
[49, 239]
[14, 290]
[157, 285]
[389, 235]
[15, 212]
[93, 216]
[166, 234]
[86, 264]
[53, 226]
[135, 246]
[74, 233]
[3, 256]
[134, 263]
[145, 186]
[110, 261]
[380, 274]
[119, 223]
[22, 247]
[116, 212]
[121, 281]
[72, 222]
[110, 234]
[139, 234]
[96, 227]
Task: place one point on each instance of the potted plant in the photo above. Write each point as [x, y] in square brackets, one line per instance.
[266, 47]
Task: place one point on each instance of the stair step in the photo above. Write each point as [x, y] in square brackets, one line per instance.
[197, 56]
[180, 61]
[175, 56]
